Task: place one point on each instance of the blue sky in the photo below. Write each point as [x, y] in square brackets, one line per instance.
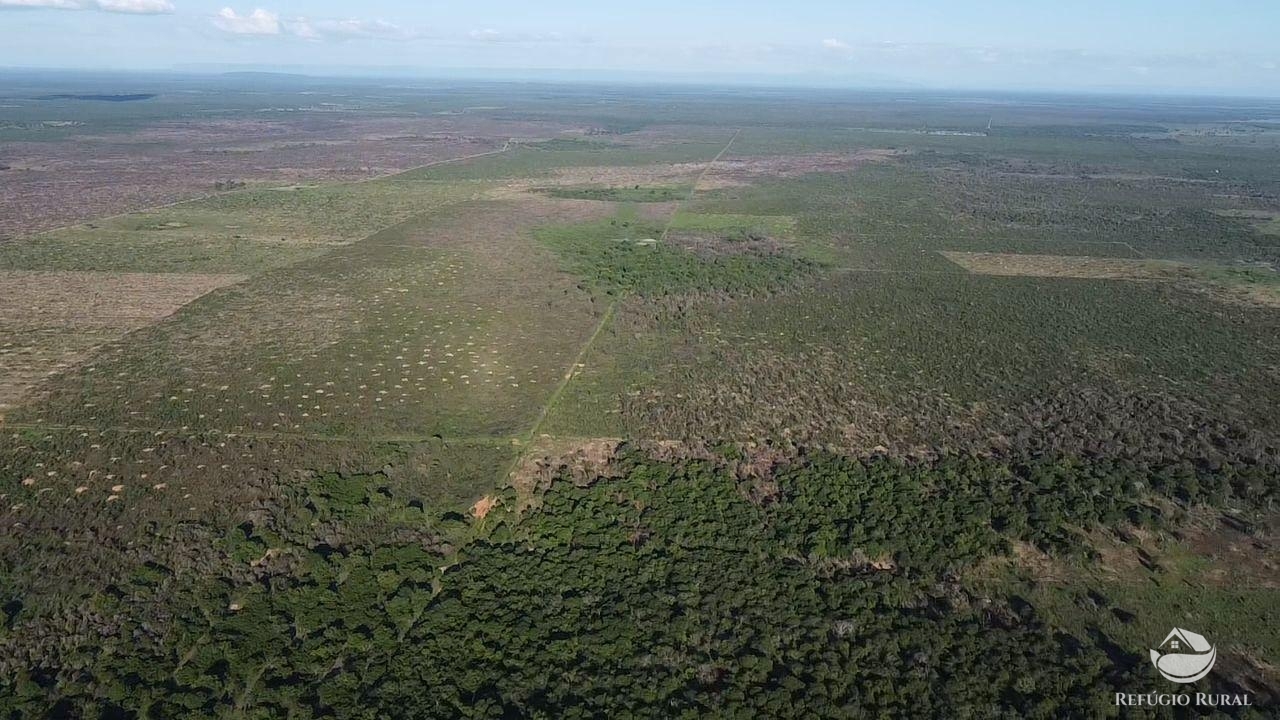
[1227, 46]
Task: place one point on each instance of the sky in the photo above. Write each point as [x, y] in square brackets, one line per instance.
[1191, 46]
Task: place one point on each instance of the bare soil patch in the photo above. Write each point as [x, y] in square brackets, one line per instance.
[657, 212]
[483, 507]
[1267, 295]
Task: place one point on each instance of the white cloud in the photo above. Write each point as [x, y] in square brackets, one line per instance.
[303, 28]
[834, 44]
[266, 22]
[348, 29]
[497, 36]
[137, 7]
[258, 22]
[54, 4]
[134, 7]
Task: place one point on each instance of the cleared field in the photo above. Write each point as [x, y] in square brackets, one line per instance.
[738, 169]
[453, 324]
[1069, 266]
[58, 182]
[51, 321]
[1219, 576]
[1239, 284]
[245, 231]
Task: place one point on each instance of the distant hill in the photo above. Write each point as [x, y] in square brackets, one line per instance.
[100, 98]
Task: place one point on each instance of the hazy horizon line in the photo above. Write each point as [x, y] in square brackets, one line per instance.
[589, 76]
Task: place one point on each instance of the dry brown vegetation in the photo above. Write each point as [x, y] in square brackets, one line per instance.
[1213, 547]
[615, 176]
[53, 184]
[728, 172]
[1200, 278]
[50, 321]
[1068, 266]
[1265, 295]
[579, 459]
[744, 170]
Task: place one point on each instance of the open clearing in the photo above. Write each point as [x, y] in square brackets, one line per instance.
[1250, 286]
[1069, 266]
[51, 321]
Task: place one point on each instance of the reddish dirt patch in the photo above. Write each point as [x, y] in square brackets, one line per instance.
[483, 507]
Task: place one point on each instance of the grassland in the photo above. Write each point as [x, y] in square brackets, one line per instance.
[816, 415]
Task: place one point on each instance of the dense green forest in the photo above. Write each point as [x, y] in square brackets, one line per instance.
[825, 585]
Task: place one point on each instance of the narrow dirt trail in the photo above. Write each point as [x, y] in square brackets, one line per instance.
[610, 312]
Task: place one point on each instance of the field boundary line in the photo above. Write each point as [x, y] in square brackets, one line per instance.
[573, 370]
[459, 440]
[886, 271]
[693, 189]
[1046, 241]
[497, 440]
[974, 273]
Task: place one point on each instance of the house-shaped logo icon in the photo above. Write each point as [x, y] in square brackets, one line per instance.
[1184, 656]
